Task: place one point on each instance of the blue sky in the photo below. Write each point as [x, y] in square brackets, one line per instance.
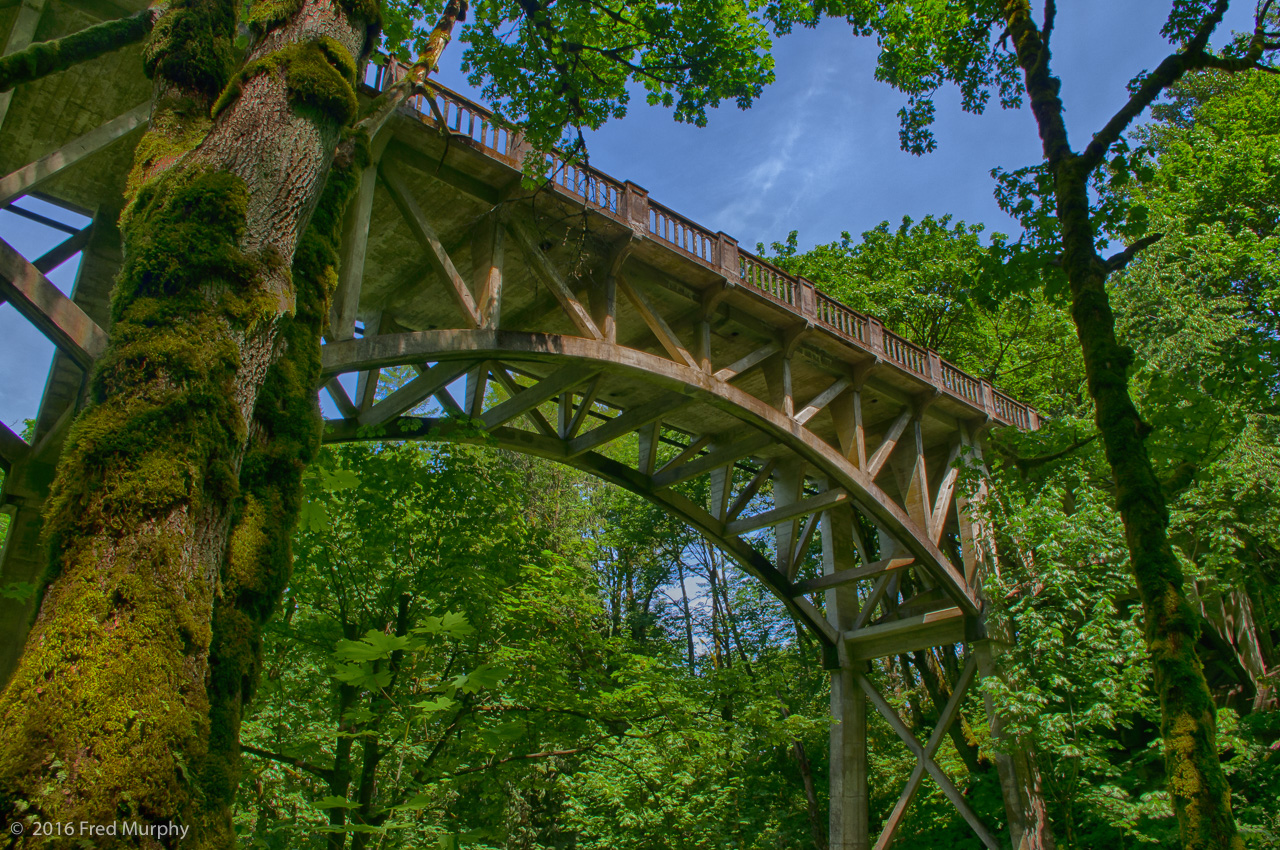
[818, 153]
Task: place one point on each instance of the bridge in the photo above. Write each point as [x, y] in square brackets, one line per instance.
[581, 321]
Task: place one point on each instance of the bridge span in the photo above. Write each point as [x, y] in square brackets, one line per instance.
[581, 321]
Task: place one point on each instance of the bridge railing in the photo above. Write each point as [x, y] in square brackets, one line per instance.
[845, 320]
[678, 231]
[767, 278]
[630, 204]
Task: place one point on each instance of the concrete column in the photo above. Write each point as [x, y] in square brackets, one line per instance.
[848, 819]
[848, 825]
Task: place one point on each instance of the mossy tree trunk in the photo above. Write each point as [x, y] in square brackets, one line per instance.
[200, 421]
[1197, 786]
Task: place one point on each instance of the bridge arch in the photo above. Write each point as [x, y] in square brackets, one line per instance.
[563, 375]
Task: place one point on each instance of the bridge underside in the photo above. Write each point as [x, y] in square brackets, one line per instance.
[580, 322]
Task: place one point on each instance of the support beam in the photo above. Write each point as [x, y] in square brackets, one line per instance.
[801, 546]
[413, 393]
[907, 635]
[666, 337]
[912, 473]
[42, 304]
[925, 756]
[21, 34]
[648, 439]
[883, 588]
[584, 408]
[876, 462]
[742, 364]
[626, 422]
[564, 378]
[402, 195]
[338, 393]
[689, 451]
[13, 449]
[64, 250]
[748, 492]
[944, 782]
[942, 502]
[975, 544]
[477, 383]
[846, 413]
[840, 577]
[367, 381]
[849, 818]
[33, 174]
[488, 253]
[718, 457]
[788, 490]
[555, 283]
[513, 389]
[777, 515]
[721, 480]
[777, 377]
[822, 399]
[355, 242]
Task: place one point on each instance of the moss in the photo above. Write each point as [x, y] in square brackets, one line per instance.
[193, 46]
[266, 15]
[49, 57]
[178, 124]
[108, 683]
[320, 76]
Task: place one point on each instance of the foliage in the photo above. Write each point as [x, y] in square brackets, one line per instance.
[551, 66]
[936, 283]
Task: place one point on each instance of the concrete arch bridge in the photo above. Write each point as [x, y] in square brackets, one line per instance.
[585, 323]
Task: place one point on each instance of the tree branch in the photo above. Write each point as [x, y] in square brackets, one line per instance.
[414, 79]
[48, 57]
[300, 764]
[1168, 72]
[1025, 464]
[1116, 262]
[1032, 52]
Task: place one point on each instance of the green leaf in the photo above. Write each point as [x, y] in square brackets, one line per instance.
[484, 676]
[441, 704]
[374, 646]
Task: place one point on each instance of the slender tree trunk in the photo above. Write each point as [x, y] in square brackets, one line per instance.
[688, 616]
[1197, 786]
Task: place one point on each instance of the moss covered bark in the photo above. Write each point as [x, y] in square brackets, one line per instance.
[126, 702]
[285, 435]
[1197, 786]
[49, 57]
